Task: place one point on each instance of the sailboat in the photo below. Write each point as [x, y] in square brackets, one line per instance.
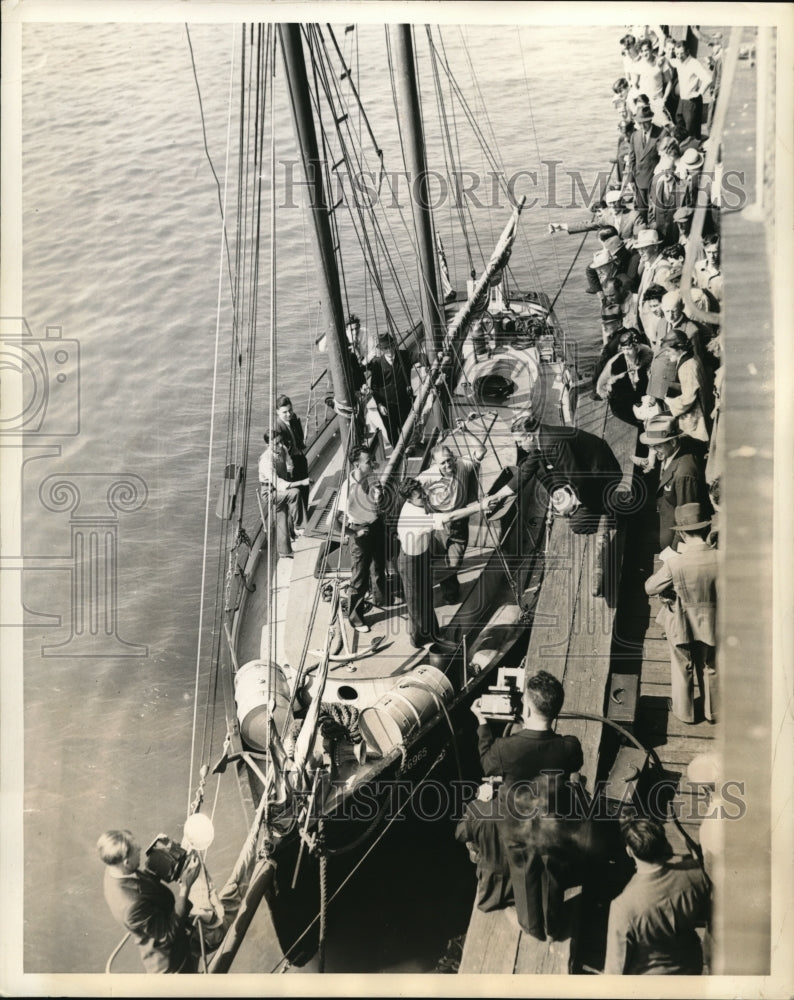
[321, 720]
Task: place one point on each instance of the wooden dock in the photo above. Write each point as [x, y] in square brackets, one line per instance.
[572, 638]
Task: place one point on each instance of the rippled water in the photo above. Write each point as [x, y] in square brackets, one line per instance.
[121, 242]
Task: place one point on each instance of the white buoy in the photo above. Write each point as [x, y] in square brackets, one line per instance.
[199, 832]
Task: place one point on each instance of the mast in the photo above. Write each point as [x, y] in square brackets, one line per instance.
[411, 117]
[339, 356]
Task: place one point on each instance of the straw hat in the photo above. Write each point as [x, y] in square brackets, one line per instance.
[691, 158]
[660, 429]
[646, 238]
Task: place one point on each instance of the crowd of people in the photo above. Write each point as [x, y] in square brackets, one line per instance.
[660, 371]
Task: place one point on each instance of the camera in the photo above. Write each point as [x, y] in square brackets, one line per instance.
[41, 383]
[497, 703]
[165, 858]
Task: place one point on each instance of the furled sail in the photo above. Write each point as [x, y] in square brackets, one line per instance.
[476, 302]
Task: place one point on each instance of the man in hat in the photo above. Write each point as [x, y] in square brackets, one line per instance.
[643, 155]
[390, 383]
[558, 457]
[693, 79]
[681, 478]
[654, 269]
[688, 616]
[625, 219]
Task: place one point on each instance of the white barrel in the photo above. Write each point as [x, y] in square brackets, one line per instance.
[255, 685]
[411, 703]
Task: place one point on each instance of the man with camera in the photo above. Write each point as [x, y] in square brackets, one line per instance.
[156, 918]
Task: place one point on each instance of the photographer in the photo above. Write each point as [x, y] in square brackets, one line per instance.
[140, 902]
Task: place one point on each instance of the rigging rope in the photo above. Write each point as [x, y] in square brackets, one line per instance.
[211, 439]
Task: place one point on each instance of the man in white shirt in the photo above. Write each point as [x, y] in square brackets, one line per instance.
[452, 483]
[693, 80]
[359, 511]
[415, 527]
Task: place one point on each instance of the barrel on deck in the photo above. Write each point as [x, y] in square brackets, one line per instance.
[405, 708]
[256, 685]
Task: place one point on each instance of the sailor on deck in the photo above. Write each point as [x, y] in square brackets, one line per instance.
[390, 384]
[360, 513]
[415, 527]
[280, 483]
[452, 483]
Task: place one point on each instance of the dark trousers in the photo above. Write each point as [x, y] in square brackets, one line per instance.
[367, 558]
[538, 890]
[290, 514]
[452, 542]
[416, 573]
[396, 415]
[691, 114]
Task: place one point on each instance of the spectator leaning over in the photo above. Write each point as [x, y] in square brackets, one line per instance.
[624, 380]
[653, 923]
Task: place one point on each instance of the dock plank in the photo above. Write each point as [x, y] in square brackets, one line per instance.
[491, 945]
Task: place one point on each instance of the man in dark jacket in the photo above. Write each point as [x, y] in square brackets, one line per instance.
[559, 457]
[479, 831]
[156, 919]
[536, 765]
[643, 155]
[652, 923]
[390, 383]
[681, 478]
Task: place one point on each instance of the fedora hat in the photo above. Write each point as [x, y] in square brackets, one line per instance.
[646, 238]
[660, 429]
[691, 158]
[643, 114]
[682, 214]
[602, 258]
[688, 517]
[614, 245]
